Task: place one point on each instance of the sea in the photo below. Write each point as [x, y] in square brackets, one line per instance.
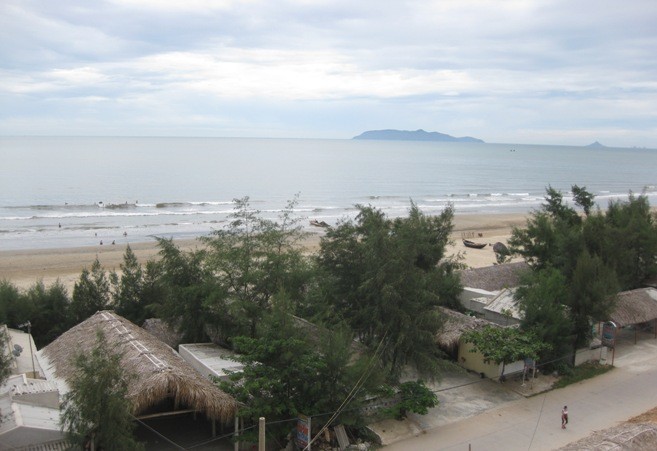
[58, 192]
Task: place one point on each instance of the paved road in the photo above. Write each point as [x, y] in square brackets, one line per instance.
[535, 423]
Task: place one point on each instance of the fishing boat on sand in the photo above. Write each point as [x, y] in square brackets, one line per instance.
[472, 244]
[316, 223]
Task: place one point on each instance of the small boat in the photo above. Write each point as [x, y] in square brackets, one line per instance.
[316, 223]
[474, 245]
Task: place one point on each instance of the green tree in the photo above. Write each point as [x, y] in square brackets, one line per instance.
[594, 256]
[552, 236]
[91, 292]
[289, 370]
[251, 260]
[554, 205]
[629, 241]
[5, 357]
[542, 298]
[504, 345]
[583, 199]
[416, 397]
[592, 295]
[186, 285]
[385, 278]
[14, 310]
[129, 289]
[96, 409]
[50, 317]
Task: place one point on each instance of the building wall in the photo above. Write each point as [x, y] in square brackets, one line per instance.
[471, 293]
[474, 361]
[498, 318]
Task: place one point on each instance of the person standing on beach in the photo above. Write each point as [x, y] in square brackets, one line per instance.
[564, 417]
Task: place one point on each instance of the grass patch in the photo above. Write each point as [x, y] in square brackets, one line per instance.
[580, 373]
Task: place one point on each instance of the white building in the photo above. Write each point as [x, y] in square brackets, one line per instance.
[489, 291]
[29, 404]
[210, 359]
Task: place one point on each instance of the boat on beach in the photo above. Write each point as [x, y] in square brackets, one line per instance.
[472, 244]
[316, 223]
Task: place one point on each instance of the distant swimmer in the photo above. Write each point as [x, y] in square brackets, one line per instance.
[125, 233]
[101, 242]
[113, 243]
[60, 225]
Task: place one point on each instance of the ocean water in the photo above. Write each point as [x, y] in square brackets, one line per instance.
[66, 192]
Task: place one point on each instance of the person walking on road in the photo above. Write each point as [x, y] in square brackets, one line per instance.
[564, 417]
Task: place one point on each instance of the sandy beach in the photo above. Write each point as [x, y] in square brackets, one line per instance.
[25, 267]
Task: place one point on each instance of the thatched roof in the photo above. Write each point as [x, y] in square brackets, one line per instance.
[160, 373]
[635, 306]
[626, 436]
[162, 331]
[493, 278]
[456, 324]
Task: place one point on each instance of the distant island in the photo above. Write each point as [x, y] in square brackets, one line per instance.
[596, 145]
[417, 135]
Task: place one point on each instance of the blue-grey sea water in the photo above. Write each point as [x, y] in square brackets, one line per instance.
[64, 192]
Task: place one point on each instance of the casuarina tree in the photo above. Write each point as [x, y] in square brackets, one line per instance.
[96, 413]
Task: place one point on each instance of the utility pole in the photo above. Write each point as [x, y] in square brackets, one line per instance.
[28, 324]
[261, 434]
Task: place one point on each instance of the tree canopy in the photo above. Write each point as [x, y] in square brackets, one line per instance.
[581, 262]
[96, 410]
[385, 277]
[289, 371]
[504, 345]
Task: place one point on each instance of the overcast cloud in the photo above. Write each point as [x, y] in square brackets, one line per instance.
[542, 71]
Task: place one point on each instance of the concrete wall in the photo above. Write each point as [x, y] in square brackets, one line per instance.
[498, 318]
[474, 361]
[471, 293]
[588, 355]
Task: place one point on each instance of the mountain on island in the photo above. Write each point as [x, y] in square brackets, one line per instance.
[596, 145]
[417, 135]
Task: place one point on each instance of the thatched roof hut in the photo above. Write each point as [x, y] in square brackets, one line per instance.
[455, 324]
[493, 278]
[635, 307]
[163, 380]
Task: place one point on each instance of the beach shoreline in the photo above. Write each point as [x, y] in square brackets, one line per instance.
[24, 268]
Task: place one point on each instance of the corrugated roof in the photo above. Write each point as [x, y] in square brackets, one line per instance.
[504, 303]
[32, 386]
[493, 278]
[57, 445]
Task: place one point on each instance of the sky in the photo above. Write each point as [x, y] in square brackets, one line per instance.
[563, 72]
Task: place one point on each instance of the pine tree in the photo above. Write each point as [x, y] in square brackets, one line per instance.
[91, 292]
[96, 412]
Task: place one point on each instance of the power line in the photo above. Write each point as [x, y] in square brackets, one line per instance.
[352, 393]
[355, 389]
[540, 413]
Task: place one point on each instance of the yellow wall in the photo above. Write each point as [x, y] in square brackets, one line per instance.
[475, 361]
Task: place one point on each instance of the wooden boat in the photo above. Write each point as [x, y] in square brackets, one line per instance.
[316, 223]
[474, 245]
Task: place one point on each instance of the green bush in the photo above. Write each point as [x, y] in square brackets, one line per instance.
[415, 397]
[582, 372]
